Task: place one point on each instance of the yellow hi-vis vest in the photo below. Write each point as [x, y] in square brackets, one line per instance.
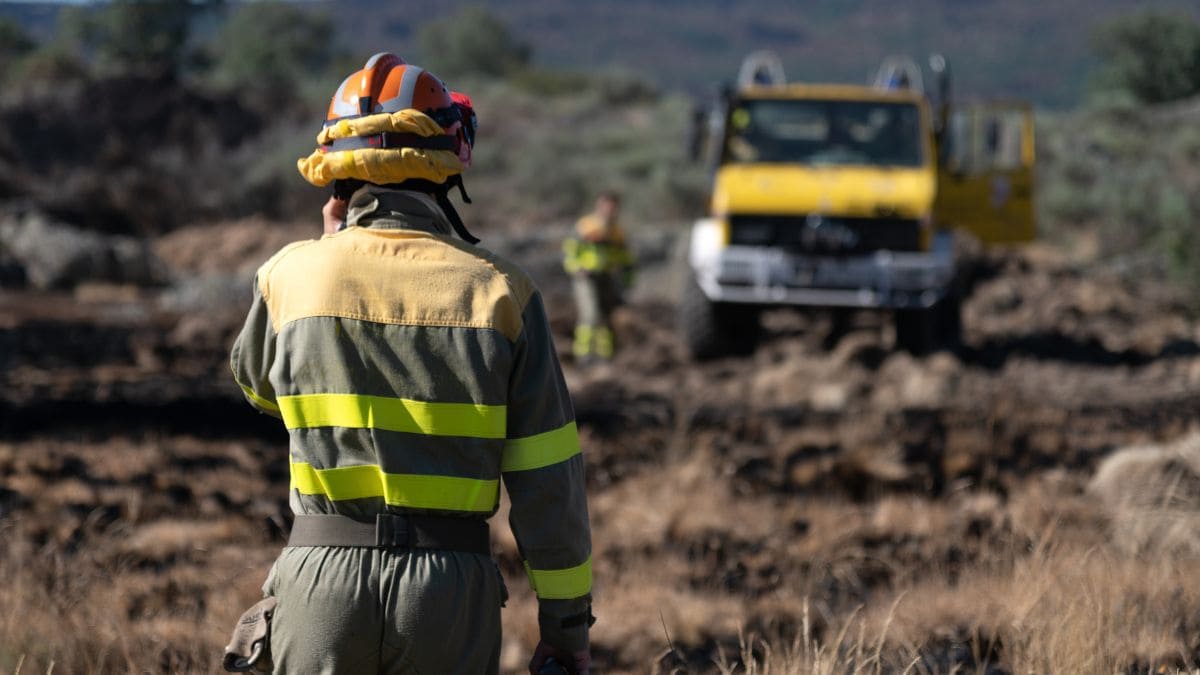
[598, 247]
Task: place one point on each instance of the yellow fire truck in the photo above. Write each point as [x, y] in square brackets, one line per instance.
[845, 196]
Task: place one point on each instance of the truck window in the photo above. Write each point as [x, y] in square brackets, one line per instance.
[815, 132]
[1007, 128]
[981, 139]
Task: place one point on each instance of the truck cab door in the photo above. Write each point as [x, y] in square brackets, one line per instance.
[985, 172]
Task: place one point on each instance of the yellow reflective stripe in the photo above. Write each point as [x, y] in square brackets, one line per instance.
[258, 400]
[590, 259]
[595, 256]
[566, 584]
[393, 414]
[398, 489]
[544, 449]
[604, 342]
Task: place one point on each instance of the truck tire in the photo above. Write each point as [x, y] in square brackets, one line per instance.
[923, 331]
[711, 329]
[949, 321]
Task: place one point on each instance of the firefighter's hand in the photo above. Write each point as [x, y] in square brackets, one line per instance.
[334, 214]
[577, 663]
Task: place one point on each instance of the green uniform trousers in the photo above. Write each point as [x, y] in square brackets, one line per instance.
[597, 295]
[365, 610]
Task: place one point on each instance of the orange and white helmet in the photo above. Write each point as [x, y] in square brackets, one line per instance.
[386, 84]
[392, 121]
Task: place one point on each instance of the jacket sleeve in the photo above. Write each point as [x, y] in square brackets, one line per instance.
[544, 474]
[253, 354]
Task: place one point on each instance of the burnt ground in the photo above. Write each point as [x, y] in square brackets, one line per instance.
[819, 479]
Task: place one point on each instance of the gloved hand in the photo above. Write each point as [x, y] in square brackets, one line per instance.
[576, 663]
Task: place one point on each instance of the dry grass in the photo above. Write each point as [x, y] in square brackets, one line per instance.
[1119, 598]
[849, 653]
[72, 614]
[102, 574]
[1063, 574]
[1057, 588]
[798, 512]
[1058, 578]
[1053, 611]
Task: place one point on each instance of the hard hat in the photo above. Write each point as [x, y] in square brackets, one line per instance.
[386, 84]
[395, 123]
[392, 121]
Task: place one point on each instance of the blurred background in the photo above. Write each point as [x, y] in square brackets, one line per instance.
[1029, 502]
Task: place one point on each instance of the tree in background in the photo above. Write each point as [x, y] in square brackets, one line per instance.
[272, 48]
[14, 43]
[1153, 55]
[128, 36]
[472, 42]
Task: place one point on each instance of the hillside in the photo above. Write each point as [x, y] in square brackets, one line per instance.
[1025, 48]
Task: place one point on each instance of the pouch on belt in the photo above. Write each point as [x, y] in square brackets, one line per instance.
[250, 648]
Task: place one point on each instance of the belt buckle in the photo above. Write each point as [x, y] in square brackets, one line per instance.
[392, 531]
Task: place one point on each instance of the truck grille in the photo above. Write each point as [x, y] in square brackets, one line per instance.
[824, 234]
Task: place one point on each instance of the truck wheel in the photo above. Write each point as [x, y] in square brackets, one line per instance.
[746, 325]
[922, 331]
[915, 331]
[711, 329]
[949, 321]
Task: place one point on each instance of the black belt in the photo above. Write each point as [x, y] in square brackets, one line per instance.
[469, 535]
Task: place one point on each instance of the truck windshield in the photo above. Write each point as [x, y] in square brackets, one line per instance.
[806, 131]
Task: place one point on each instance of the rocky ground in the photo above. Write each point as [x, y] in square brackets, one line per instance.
[1027, 503]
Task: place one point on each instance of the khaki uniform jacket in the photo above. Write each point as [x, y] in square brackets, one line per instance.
[414, 372]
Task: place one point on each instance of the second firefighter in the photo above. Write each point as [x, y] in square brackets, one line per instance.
[601, 268]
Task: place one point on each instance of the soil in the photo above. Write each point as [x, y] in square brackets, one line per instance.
[820, 474]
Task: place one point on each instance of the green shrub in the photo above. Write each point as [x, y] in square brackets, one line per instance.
[14, 44]
[1154, 55]
[1127, 174]
[47, 67]
[128, 36]
[472, 43]
[551, 82]
[273, 49]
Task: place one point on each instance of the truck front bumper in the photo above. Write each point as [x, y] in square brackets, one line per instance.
[771, 276]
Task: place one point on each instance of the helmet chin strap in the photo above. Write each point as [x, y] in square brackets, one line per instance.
[344, 188]
[440, 193]
[443, 199]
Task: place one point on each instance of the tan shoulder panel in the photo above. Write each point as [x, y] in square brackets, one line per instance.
[398, 277]
[518, 279]
[264, 270]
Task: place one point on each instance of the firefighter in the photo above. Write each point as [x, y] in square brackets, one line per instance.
[601, 269]
[414, 372]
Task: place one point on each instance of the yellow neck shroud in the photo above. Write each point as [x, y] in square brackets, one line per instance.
[379, 165]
